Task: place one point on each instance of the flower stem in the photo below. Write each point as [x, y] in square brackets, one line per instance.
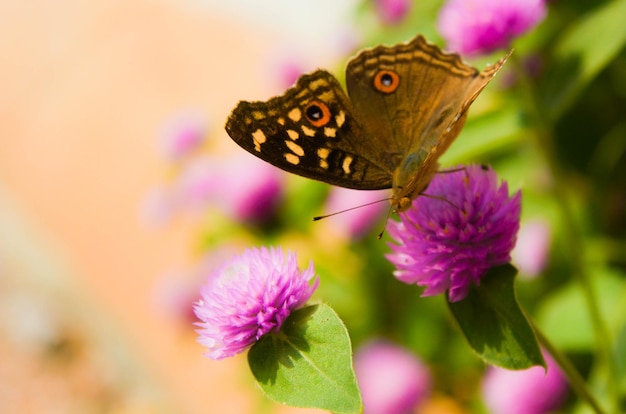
[544, 142]
[575, 380]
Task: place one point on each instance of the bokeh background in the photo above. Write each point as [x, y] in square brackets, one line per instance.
[98, 268]
[86, 90]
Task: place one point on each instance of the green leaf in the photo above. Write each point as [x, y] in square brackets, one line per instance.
[494, 325]
[581, 53]
[309, 363]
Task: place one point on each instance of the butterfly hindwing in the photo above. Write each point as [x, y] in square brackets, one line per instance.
[310, 131]
[414, 97]
[434, 90]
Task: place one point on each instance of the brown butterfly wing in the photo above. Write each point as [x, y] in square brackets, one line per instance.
[419, 119]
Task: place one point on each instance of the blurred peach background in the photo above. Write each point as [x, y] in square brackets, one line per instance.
[85, 88]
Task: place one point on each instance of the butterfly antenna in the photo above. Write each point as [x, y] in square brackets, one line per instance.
[380, 235]
[316, 218]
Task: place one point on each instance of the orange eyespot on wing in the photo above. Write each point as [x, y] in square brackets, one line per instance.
[317, 113]
[386, 81]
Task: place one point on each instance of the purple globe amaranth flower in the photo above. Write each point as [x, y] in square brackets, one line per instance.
[475, 27]
[392, 380]
[530, 391]
[451, 236]
[249, 296]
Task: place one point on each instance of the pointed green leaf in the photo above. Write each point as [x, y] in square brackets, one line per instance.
[309, 363]
[494, 325]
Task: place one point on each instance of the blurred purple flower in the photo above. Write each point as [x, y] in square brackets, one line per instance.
[249, 296]
[531, 391]
[182, 135]
[358, 222]
[241, 185]
[533, 244]
[476, 27]
[450, 240]
[392, 11]
[392, 380]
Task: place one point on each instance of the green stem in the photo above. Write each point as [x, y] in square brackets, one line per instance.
[575, 380]
[544, 141]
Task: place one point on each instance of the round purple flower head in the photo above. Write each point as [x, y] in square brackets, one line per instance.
[451, 239]
[476, 27]
[249, 296]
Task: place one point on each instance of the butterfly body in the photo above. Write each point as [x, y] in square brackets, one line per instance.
[404, 107]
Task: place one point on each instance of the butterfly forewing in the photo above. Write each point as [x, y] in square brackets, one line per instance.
[310, 131]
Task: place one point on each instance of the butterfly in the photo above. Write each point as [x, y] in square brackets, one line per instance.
[405, 105]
